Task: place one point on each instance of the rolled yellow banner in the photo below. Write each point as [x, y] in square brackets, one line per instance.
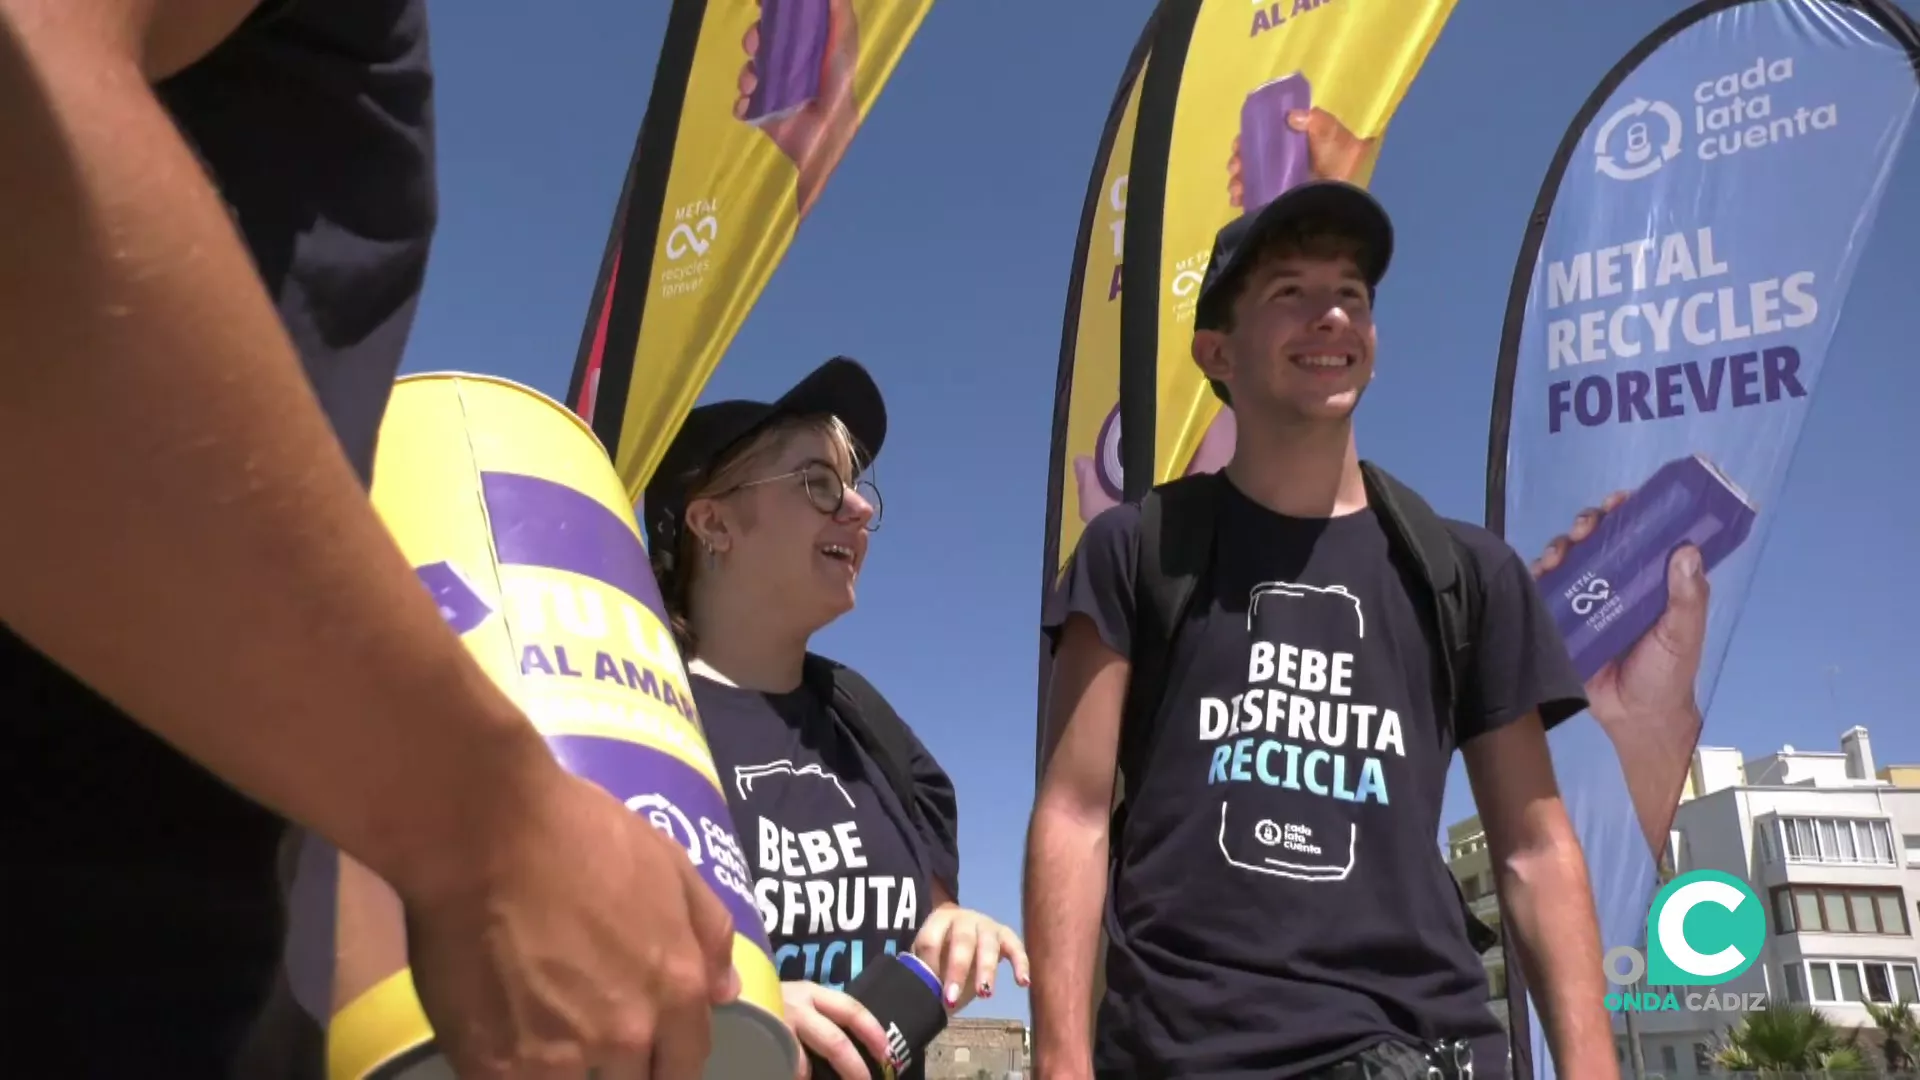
[512, 515]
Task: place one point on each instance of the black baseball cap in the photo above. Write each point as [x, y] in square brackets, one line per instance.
[1344, 207]
[840, 387]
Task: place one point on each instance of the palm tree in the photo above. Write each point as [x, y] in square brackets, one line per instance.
[1899, 1033]
[1784, 1038]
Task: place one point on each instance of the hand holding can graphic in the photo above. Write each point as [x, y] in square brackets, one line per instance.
[797, 86]
[1285, 140]
[1627, 585]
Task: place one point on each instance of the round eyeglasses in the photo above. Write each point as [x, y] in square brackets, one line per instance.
[825, 490]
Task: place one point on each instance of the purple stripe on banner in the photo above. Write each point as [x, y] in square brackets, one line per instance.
[682, 804]
[537, 522]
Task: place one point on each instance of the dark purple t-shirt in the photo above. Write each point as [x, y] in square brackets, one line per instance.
[843, 869]
[1279, 899]
[144, 903]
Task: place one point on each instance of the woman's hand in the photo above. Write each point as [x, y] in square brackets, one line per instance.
[966, 947]
[826, 1022]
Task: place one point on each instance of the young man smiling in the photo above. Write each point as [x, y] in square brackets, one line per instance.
[1272, 892]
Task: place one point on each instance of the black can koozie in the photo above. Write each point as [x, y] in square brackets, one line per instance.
[904, 995]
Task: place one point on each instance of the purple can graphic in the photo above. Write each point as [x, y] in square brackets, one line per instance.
[1273, 156]
[1612, 587]
[793, 46]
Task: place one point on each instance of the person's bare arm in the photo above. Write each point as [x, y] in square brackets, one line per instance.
[1541, 874]
[182, 530]
[1066, 873]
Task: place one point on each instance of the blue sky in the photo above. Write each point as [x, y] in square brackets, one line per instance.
[939, 257]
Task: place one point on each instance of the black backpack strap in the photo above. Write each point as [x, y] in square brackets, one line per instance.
[870, 719]
[1453, 580]
[1417, 531]
[1175, 547]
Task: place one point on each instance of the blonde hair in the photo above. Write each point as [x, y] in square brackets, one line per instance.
[676, 569]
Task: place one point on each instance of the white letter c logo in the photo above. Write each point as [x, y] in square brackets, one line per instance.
[1673, 935]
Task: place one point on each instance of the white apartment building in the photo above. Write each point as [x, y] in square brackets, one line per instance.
[1832, 844]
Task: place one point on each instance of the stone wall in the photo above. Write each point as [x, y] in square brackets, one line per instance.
[980, 1050]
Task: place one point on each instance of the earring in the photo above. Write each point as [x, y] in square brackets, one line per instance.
[713, 557]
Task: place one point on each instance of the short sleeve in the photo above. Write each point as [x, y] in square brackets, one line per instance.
[1520, 662]
[315, 121]
[1099, 580]
[936, 814]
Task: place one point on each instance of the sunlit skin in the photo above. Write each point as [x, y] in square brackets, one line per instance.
[776, 542]
[1302, 345]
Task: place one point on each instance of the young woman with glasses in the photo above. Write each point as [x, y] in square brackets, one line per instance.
[758, 519]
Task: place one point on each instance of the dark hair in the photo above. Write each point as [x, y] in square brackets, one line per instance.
[1308, 238]
[674, 566]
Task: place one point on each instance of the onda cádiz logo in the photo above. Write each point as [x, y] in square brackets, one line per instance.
[1705, 928]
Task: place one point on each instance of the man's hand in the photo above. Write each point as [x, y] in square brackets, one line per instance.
[966, 948]
[815, 136]
[585, 940]
[826, 1022]
[1644, 700]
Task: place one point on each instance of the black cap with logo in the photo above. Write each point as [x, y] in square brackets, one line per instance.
[1344, 208]
[840, 387]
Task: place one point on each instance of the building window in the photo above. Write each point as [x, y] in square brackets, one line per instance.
[1669, 1060]
[1837, 909]
[1837, 840]
[1839, 982]
[1796, 983]
[1702, 1058]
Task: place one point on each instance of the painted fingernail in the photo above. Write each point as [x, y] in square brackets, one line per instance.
[953, 993]
[986, 990]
